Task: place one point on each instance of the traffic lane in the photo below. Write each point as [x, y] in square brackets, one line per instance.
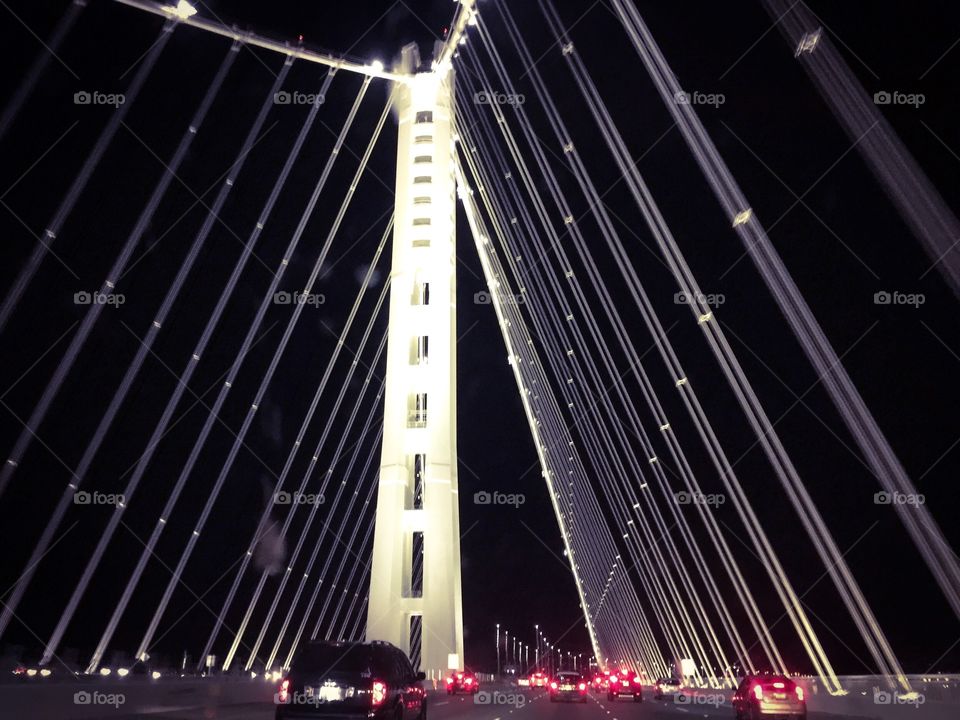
[498, 702]
[702, 704]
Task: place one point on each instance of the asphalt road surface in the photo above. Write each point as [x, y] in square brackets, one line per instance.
[506, 703]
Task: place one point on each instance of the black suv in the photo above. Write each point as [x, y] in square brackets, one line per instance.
[340, 681]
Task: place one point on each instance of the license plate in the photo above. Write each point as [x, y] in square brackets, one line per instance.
[780, 696]
[566, 687]
[328, 693]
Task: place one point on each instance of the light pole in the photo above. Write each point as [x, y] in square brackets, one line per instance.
[506, 648]
[498, 649]
[536, 651]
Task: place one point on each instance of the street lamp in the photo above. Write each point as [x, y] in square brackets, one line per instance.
[498, 649]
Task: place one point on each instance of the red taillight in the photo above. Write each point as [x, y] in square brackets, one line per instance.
[553, 685]
[449, 681]
[582, 686]
[636, 679]
[283, 692]
[799, 691]
[779, 685]
[614, 679]
[468, 681]
[757, 692]
[379, 692]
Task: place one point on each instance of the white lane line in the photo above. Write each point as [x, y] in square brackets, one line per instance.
[445, 702]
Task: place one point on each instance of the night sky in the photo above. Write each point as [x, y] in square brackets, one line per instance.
[843, 243]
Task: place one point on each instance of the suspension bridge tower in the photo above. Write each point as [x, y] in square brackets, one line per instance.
[415, 593]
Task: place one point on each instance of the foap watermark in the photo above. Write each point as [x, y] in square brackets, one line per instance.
[498, 498]
[491, 97]
[703, 700]
[298, 498]
[98, 298]
[485, 298]
[297, 98]
[95, 97]
[895, 97]
[710, 300]
[307, 697]
[495, 697]
[899, 298]
[84, 697]
[698, 498]
[82, 497]
[696, 97]
[885, 697]
[897, 498]
[298, 298]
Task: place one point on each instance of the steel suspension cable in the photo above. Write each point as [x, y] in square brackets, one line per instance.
[74, 483]
[50, 48]
[291, 456]
[818, 349]
[186, 375]
[275, 360]
[134, 368]
[323, 486]
[344, 520]
[702, 617]
[66, 206]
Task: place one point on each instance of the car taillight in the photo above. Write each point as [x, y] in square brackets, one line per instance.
[468, 681]
[449, 681]
[582, 686]
[779, 685]
[283, 692]
[553, 685]
[799, 691]
[757, 692]
[379, 692]
[614, 679]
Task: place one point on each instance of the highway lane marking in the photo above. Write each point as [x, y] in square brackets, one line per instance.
[445, 702]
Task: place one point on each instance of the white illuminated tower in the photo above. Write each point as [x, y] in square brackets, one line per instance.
[417, 502]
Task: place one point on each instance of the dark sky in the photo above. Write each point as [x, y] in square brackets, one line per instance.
[776, 133]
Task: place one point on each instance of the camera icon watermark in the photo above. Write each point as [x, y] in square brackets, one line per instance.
[896, 498]
[896, 297]
[895, 97]
[95, 97]
[298, 298]
[298, 498]
[884, 697]
[698, 498]
[98, 298]
[84, 697]
[706, 699]
[711, 300]
[696, 97]
[496, 697]
[83, 497]
[485, 298]
[298, 98]
[485, 497]
[491, 97]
